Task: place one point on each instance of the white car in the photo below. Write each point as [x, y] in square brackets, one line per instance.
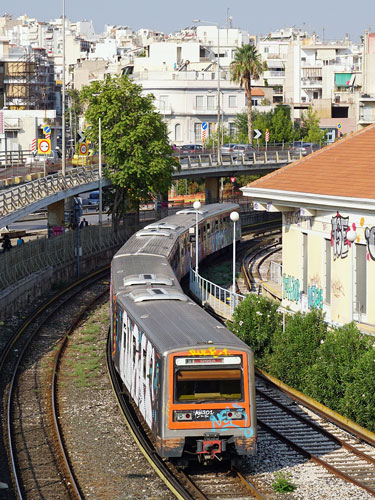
[51, 159]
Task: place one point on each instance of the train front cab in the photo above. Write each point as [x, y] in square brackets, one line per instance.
[211, 410]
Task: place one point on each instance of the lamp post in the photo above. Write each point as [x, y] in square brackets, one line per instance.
[63, 162]
[218, 85]
[234, 216]
[351, 236]
[100, 174]
[197, 206]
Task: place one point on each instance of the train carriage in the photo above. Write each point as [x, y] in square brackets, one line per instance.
[191, 379]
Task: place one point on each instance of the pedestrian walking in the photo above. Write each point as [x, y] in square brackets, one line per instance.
[20, 241]
[6, 244]
[83, 223]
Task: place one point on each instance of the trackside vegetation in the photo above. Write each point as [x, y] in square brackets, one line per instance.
[335, 366]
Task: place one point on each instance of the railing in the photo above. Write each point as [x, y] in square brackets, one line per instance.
[222, 301]
[21, 196]
[19, 262]
[254, 158]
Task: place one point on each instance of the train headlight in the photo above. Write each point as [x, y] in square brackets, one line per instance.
[235, 414]
[182, 416]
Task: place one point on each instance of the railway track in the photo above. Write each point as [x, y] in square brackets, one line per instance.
[315, 438]
[39, 465]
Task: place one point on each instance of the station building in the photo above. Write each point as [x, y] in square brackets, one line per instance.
[327, 200]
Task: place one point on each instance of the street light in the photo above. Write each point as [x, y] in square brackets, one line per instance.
[234, 216]
[196, 206]
[100, 174]
[63, 163]
[351, 236]
[218, 85]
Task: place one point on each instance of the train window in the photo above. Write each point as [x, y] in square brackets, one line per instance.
[208, 229]
[144, 363]
[208, 385]
[134, 349]
[216, 225]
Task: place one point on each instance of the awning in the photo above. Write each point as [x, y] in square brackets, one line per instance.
[343, 79]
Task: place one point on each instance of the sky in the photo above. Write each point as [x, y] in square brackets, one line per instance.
[258, 17]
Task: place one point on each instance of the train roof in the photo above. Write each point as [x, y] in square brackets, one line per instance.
[160, 236]
[148, 290]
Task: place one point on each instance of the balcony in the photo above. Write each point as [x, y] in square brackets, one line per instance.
[367, 116]
[311, 83]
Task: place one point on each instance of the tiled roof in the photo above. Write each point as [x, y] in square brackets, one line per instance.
[256, 91]
[345, 168]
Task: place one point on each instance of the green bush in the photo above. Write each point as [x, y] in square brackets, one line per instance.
[296, 348]
[359, 400]
[328, 378]
[282, 483]
[255, 321]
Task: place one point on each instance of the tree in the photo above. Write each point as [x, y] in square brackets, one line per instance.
[139, 159]
[311, 128]
[282, 129]
[246, 66]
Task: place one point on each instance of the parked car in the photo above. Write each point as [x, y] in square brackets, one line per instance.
[191, 149]
[37, 159]
[93, 198]
[227, 148]
[304, 148]
[241, 149]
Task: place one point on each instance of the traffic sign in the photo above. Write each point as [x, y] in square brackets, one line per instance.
[46, 129]
[339, 125]
[257, 134]
[83, 149]
[204, 126]
[81, 136]
[44, 146]
[267, 136]
[232, 179]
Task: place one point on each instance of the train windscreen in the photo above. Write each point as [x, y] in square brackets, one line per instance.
[208, 385]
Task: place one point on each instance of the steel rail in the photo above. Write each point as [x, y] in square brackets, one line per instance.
[13, 340]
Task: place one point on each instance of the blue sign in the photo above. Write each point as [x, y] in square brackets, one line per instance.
[46, 129]
[204, 126]
[339, 125]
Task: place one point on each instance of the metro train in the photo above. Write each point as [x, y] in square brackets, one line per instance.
[190, 378]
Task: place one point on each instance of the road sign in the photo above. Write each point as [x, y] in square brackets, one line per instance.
[81, 136]
[339, 125]
[204, 126]
[267, 136]
[83, 149]
[46, 129]
[44, 146]
[232, 179]
[257, 134]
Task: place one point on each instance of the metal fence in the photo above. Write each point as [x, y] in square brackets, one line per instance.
[20, 262]
[219, 299]
[276, 272]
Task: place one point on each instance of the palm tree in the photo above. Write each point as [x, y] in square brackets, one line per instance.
[246, 66]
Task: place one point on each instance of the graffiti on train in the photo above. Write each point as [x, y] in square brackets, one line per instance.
[212, 351]
[139, 368]
[224, 420]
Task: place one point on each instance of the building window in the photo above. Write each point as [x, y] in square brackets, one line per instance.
[197, 132]
[232, 101]
[305, 261]
[327, 266]
[360, 279]
[199, 102]
[177, 132]
[232, 129]
[211, 102]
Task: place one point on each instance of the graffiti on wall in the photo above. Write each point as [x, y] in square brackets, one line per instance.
[370, 239]
[314, 297]
[338, 289]
[298, 219]
[291, 288]
[339, 241]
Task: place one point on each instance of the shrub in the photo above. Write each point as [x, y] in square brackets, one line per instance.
[327, 379]
[282, 484]
[359, 400]
[296, 348]
[255, 321]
